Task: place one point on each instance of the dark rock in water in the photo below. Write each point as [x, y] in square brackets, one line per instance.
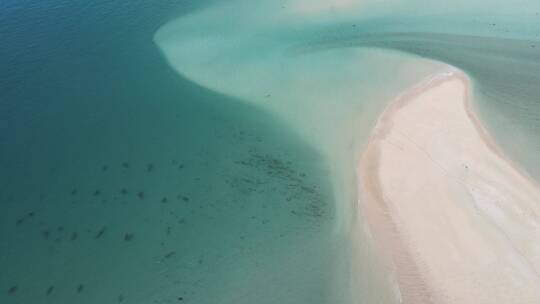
[128, 237]
[123, 191]
[60, 228]
[97, 192]
[125, 165]
[164, 200]
[74, 191]
[19, 221]
[45, 234]
[185, 199]
[101, 232]
[104, 168]
[120, 298]
[180, 299]
[74, 236]
[80, 288]
[50, 290]
[140, 195]
[13, 289]
[31, 214]
[150, 167]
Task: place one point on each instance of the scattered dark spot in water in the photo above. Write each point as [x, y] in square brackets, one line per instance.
[13, 289]
[120, 298]
[169, 255]
[45, 234]
[180, 299]
[101, 232]
[140, 195]
[104, 168]
[80, 288]
[125, 165]
[185, 199]
[74, 236]
[150, 167]
[27, 216]
[164, 200]
[181, 166]
[50, 290]
[74, 191]
[60, 228]
[123, 191]
[307, 189]
[168, 230]
[128, 237]
[97, 192]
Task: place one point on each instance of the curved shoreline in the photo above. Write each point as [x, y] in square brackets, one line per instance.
[450, 215]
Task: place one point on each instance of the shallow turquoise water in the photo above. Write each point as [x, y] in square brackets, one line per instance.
[201, 152]
[124, 182]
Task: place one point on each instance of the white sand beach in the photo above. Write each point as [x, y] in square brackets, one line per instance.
[453, 219]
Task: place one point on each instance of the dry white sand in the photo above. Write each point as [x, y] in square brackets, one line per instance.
[453, 219]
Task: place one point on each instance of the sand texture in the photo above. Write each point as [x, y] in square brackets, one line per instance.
[453, 218]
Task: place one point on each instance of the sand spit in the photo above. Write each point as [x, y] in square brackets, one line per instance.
[453, 218]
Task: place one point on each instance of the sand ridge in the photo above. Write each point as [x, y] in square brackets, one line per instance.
[454, 220]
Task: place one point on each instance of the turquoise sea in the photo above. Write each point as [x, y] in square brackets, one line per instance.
[205, 151]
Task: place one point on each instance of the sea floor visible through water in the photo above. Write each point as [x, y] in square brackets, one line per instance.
[123, 182]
